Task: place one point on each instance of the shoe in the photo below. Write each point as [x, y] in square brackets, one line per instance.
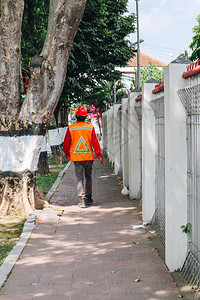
[89, 200]
[82, 203]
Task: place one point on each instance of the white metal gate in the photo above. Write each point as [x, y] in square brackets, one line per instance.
[190, 98]
[159, 216]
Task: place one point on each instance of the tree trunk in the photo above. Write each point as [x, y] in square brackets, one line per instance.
[43, 166]
[57, 133]
[64, 112]
[56, 137]
[58, 154]
[19, 194]
[10, 62]
[23, 123]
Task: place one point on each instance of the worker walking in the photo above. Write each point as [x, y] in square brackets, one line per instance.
[79, 142]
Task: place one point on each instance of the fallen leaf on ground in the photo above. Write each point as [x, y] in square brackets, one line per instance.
[114, 271]
[59, 214]
[137, 280]
[135, 242]
[194, 287]
[61, 210]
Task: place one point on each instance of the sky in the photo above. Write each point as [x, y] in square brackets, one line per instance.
[165, 26]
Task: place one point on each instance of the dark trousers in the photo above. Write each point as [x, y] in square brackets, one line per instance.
[83, 171]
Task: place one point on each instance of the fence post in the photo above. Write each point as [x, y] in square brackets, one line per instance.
[116, 139]
[125, 142]
[175, 168]
[104, 130]
[110, 134]
[148, 154]
[134, 149]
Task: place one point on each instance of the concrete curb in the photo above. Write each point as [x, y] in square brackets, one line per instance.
[13, 256]
[29, 225]
[56, 183]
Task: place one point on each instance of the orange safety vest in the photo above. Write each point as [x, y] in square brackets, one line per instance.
[81, 142]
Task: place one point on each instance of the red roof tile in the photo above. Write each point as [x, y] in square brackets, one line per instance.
[144, 60]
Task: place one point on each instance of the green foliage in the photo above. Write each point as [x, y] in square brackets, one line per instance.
[34, 28]
[103, 94]
[195, 44]
[186, 228]
[100, 45]
[151, 71]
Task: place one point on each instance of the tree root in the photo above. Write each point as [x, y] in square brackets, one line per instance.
[20, 196]
[40, 200]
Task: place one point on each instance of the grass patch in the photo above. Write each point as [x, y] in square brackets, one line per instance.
[45, 182]
[9, 235]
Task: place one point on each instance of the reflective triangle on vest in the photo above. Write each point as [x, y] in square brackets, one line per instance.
[82, 146]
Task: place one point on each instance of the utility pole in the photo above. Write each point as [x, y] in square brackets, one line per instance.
[138, 49]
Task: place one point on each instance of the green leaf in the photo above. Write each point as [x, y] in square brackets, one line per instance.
[195, 44]
[100, 44]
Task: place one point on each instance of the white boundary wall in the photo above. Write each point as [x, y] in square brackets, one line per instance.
[175, 157]
[121, 142]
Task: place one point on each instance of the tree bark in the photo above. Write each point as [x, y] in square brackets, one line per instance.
[64, 111]
[23, 123]
[10, 62]
[48, 71]
[43, 165]
[61, 118]
[58, 154]
[19, 194]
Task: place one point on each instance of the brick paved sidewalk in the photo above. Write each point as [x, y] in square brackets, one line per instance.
[90, 253]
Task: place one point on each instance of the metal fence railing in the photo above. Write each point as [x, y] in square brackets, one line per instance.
[159, 216]
[190, 98]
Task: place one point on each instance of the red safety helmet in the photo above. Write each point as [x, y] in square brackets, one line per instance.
[81, 111]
